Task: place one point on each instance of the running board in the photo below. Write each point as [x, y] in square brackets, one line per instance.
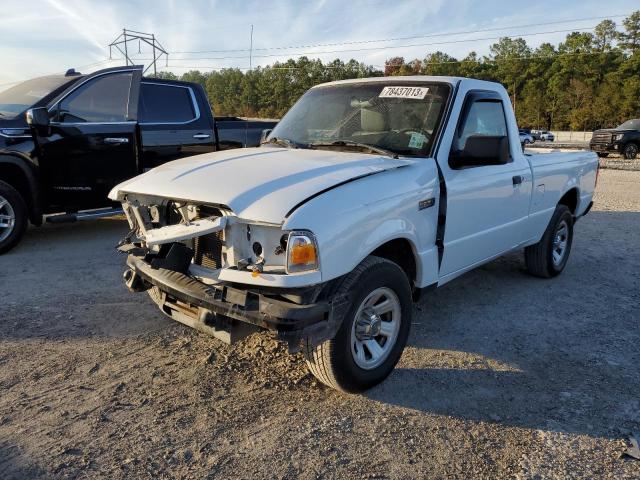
[88, 215]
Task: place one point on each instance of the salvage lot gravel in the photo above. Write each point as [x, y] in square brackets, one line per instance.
[505, 375]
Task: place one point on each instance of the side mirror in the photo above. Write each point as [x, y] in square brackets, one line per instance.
[482, 150]
[38, 119]
[265, 133]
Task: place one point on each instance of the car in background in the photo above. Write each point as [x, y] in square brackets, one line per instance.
[624, 139]
[546, 136]
[66, 140]
[525, 137]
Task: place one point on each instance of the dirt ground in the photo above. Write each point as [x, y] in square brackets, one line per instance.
[505, 375]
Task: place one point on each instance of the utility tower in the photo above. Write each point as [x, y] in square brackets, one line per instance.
[123, 41]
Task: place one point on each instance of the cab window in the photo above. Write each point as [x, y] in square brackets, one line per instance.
[104, 99]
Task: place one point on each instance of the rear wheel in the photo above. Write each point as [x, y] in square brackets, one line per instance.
[373, 332]
[603, 154]
[13, 217]
[630, 151]
[549, 256]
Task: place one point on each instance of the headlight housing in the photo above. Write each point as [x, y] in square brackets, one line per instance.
[618, 136]
[302, 252]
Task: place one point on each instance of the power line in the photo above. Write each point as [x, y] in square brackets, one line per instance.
[325, 52]
[412, 37]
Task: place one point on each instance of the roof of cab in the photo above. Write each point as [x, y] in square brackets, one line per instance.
[412, 79]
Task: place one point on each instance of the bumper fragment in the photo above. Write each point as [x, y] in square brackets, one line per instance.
[291, 321]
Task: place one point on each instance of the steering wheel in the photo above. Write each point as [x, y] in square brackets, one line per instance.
[415, 130]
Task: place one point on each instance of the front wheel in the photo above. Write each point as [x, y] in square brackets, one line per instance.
[13, 217]
[549, 256]
[373, 332]
[630, 151]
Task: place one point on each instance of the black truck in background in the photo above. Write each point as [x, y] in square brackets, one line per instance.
[624, 140]
[66, 140]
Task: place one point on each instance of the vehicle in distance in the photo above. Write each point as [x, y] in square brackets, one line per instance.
[525, 136]
[543, 135]
[624, 140]
[367, 193]
[90, 132]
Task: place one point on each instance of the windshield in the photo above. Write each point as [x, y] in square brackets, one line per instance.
[399, 117]
[631, 125]
[23, 96]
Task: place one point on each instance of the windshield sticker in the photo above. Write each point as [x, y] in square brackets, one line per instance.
[417, 140]
[417, 93]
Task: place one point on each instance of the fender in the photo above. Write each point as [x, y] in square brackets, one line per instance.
[34, 198]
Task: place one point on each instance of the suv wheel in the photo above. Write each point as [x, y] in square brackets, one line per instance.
[630, 151]
[373, 332]
[13, 217]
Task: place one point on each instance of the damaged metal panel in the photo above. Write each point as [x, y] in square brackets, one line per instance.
[177, 233]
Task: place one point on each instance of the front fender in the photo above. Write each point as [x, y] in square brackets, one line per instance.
[29, 181]
[353, 220]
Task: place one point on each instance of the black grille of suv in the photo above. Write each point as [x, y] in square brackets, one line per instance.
[207, 250]
[601, 137]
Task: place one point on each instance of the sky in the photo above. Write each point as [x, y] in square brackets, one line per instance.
[39, 37]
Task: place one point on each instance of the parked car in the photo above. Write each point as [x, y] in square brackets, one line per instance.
[91, 132]
[368, 193]
[624, 139]
[546, 136]
[525, 137]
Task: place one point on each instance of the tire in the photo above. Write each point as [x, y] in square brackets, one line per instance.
[13, 217]
[543, 259]
[341, 363]
[602, 155]
[630, 151]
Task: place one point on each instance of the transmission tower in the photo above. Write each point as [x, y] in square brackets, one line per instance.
[122, 44]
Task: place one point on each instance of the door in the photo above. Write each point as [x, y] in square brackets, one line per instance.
[488, 201]
[172, 124]
[92, 145]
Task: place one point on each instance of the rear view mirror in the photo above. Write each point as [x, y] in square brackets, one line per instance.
[265, 133]
[38, 119]
[482, 150]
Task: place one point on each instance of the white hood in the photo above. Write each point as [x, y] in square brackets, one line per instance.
[261, 184]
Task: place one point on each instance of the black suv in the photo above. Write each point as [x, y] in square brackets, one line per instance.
[66, 140]
[624, 140]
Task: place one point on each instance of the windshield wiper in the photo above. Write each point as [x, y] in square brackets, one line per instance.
[349, 143]
[283, 142]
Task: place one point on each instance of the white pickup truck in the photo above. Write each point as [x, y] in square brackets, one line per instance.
[367, 193]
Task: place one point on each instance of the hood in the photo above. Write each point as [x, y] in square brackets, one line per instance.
[613, 130]
[261, 184]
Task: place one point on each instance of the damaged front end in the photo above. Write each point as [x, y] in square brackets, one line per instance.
[225, 276]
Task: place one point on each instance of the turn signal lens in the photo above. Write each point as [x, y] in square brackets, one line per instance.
[302, 253]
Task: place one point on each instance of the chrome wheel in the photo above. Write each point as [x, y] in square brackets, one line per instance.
[560, 242]
[375, 329]
[7, 218]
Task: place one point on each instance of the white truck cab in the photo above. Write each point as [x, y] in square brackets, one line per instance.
[367, 192]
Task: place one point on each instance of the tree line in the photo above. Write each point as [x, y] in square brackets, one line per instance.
[588, 81]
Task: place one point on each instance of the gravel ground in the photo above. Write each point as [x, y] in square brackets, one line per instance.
[505, 375]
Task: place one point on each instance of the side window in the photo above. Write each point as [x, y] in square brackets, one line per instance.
[484, 118]
[103, 99]
[165, 104]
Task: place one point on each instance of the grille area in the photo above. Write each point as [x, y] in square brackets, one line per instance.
[601, 137]
[207, 250]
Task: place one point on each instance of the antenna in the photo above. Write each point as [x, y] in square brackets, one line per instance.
[122, 40]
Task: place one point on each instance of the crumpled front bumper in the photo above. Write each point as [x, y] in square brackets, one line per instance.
[201, 306]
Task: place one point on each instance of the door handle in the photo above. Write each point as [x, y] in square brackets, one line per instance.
[517, 180]
[116, 141]
[201, 136]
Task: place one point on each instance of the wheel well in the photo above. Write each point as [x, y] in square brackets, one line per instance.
[14, 176]
[400, 252]
[570, 199]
